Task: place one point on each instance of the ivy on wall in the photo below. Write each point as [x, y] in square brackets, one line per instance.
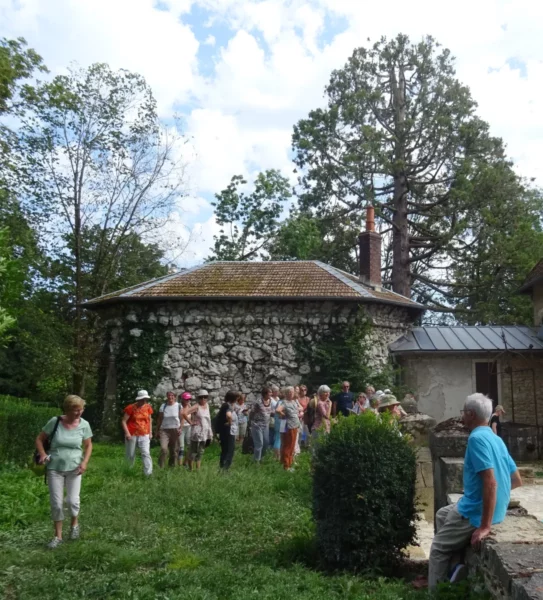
[139, 360]
[343, 353]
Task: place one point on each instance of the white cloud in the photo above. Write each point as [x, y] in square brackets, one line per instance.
[128, 34]
[274, 65]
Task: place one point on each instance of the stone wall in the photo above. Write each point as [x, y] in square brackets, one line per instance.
[244, 345]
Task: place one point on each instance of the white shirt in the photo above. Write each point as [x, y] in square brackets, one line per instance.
[171, 416]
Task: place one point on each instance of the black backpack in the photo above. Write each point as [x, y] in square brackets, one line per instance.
[220, 425]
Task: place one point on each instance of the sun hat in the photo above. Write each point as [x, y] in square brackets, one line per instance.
[143, 395]
[202, 393]
[185, 396]
[389, 400]
[499, 407]
[379, 395]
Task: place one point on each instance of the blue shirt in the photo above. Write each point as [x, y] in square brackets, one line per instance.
[485, 451]
[344, 402]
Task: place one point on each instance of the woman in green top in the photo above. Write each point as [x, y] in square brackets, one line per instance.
[69, 453]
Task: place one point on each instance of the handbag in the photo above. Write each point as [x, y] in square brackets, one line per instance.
[248, 446]
[47, 443]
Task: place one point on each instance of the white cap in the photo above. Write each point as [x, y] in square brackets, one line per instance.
[142, 395]
[202, 393]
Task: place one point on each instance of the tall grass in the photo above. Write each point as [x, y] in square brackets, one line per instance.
[192, 536]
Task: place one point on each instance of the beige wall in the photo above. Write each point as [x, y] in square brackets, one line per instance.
[442, 382]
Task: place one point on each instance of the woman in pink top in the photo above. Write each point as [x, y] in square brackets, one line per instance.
[324, 408]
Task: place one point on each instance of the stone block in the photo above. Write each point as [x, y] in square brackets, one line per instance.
[193, 384]
[218, 350]
[135, 332]
[528, 588]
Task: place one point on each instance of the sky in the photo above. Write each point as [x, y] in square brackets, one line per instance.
[241, 73]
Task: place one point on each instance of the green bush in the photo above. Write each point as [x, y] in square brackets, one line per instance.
[363, 494]
[20, 423]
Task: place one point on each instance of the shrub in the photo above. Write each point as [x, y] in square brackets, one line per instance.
[20, 423]
[363, 494]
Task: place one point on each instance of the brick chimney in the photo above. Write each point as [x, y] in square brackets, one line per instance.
[369, 242]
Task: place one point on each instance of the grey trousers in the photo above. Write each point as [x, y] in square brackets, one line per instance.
[453, 533]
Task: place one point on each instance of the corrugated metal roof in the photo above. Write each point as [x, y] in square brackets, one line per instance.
[296, 280]
[492, 338]
[534, 276]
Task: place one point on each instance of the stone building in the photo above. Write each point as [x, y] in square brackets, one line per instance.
[238, 324]
[443, 365]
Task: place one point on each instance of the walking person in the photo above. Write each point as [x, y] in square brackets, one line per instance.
[290, 411]
[201, 431]
[489, 476]
[495, 423]
[260, 423]
[169, 430]
[138, 431]
[70, 448]
[184, 437]
[227, 429]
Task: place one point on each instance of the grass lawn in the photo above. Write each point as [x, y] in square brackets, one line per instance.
[247, 534]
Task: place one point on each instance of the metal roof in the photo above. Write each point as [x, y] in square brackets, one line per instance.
[287, 280]
[491, 338]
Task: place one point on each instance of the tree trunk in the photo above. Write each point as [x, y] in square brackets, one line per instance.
[78, 373]
[401, 270]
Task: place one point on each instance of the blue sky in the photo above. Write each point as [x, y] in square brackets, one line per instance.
[242, 72]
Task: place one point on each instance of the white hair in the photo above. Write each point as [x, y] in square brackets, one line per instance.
[480, 405]
[275, 388]
[324, 389]
[287, 389]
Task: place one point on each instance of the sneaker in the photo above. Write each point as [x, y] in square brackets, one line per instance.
[54, 543]
[74, 533]
[459, 573]
[291, 470]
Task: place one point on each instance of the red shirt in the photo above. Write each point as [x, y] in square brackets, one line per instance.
[139, 418]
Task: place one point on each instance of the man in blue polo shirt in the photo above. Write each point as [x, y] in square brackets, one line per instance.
[343, 402]
[489, 476]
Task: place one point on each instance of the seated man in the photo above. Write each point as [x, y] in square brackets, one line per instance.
[489, 475]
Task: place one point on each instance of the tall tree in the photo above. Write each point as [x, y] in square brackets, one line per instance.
[249, 221]
[397, 130]
[96, 159]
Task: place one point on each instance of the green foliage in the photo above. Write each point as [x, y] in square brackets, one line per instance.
[17, 63]
[174, 535]
[398, 130]
[20, 423]
[341, 353]
[139, 360]
[249, 221]
[363, 494]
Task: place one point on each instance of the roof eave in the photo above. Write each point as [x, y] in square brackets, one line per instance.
[528, 287]
[91, 305]
[489, 351]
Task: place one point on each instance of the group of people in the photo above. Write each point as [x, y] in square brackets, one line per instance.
[283, 420]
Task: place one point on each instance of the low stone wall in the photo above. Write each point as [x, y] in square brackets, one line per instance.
[511, 559]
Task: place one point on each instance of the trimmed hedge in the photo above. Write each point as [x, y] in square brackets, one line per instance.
[363, 494]
[20, 423]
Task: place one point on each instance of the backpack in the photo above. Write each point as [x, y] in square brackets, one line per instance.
[219, 421]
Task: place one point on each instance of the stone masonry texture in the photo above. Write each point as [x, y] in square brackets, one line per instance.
[221, 345]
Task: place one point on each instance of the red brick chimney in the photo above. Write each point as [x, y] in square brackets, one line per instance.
[369, 242]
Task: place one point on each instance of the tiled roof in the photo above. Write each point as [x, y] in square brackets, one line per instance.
[534, 276]
[494, 338]
[257, 280]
